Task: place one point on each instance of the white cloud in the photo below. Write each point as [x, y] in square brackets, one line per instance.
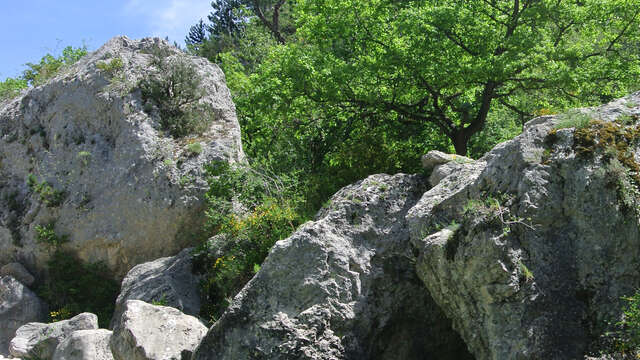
[171, 18]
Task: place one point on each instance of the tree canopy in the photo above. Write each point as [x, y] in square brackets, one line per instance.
[448, 63]
[361, 87]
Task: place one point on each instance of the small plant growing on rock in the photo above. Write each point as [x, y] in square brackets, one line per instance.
[576, 120]
[195, 148]
[526, 273]
[625, 339]
[48, 195]
[174, 91]
[85, 157]
[111, 67]
[45, 234]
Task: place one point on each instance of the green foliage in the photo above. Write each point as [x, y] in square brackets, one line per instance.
[49, 65]
[194, 148]
[38, 73]
[70, 288]
[526, 273]
[48, 195]
[45, 234]
[450, 63]
[243, 241]
[11, 87]
[85, 157]
[173, 90]
[630, 334]
[573, 119]
[111, 67]
[160, 302]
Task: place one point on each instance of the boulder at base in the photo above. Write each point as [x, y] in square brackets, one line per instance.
[529, 251]
[341, 287]
[168, 280]
[106, 167]
[40, 340]
[150, 332]
[85, 345]
[18, 306]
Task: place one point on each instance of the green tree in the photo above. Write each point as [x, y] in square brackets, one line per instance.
[11, 87]
[451, 63]
[49, 65]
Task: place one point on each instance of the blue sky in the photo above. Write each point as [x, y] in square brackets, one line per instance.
[31, 28]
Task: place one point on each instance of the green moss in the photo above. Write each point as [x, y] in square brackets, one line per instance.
[615, 142]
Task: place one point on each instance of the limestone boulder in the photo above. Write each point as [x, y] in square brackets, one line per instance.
[168, 280]
[530, 249]
[85, 345]
[150, 332]
[88, 155]
[341, 287]
[40, 340]
[18, 306]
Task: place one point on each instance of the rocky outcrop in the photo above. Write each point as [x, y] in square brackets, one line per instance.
[40, 340]
[85, 345]
[169, 281]
[342, 287]
[18, 306]
[528, 251]
[545, 238]
[88, 156]
[150, 332]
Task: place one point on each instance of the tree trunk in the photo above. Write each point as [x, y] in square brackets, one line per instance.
[460, 142]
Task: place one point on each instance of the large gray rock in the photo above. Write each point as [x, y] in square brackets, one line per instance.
[40, 340]
[85, 345]
[150, 332]
[18, 272]
[18, 306]
[530, 249]
[167, 280]
[341, 287]
[123, 183]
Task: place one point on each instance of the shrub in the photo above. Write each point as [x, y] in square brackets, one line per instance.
[48, 195]
[111, 67]
[49, 66]
[73, 287]
[195, 148]
[174, 91]
[45, 234]
[243, 241]
[625, 338]
[11, 87]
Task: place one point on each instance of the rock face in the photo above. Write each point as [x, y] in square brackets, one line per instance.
[85, 345]
[18, 306]
[41, 340]
[168, 280]
[528, 251]
[342, 287]
[545, 239]
[104, 171]
[149, 332]
[18, 272]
